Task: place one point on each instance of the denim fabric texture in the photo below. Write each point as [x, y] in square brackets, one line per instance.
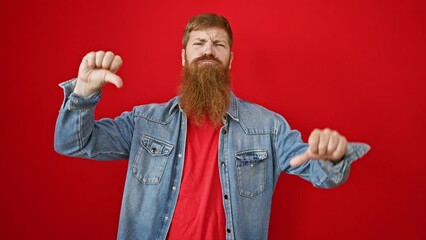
[255, 147]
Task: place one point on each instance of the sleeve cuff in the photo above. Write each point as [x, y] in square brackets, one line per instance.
[354, 151]
[73, 101]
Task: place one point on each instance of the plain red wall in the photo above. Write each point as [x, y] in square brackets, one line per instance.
[356, 66]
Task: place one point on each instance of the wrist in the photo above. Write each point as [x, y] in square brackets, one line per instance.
[82, 90]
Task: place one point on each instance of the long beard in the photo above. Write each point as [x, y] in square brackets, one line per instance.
[205, 91]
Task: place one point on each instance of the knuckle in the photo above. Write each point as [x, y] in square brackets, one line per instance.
[326, 132]
[322, 149]
[312, 141]
[314, 135]
[335, 155]
[118, 60]
[109, 53]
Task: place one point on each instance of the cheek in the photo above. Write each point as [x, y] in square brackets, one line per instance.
[189, 57]
[225, 58]
[188, 60]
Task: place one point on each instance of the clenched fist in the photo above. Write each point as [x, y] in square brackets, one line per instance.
[323, 144]
[96, 70]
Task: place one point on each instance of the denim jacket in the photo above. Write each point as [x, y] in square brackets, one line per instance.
[255, 147]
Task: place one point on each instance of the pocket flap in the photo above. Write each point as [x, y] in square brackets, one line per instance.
[251, 156]
[155, 146]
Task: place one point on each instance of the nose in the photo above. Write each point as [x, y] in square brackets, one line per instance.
[208, 49]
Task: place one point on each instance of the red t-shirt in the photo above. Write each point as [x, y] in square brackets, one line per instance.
[199, 212]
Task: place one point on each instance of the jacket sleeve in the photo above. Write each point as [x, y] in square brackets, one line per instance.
[321, 173]
[77, 134]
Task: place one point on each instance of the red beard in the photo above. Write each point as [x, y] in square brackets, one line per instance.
[205, 90]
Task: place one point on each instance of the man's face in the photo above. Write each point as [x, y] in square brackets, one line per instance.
[205, 87]
[208, 42]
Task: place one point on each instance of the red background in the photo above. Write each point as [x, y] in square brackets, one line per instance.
[356, 66]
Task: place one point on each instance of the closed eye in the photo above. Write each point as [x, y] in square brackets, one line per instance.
[219, 43]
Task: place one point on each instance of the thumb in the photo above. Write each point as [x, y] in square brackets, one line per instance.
[114, 79]
[300, 159]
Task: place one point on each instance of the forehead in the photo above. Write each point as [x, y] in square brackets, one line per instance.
[209, 33]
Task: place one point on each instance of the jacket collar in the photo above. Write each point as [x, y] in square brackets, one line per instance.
[231, 112]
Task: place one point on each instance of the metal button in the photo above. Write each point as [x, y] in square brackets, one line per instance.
[173, 188]
[179, 155]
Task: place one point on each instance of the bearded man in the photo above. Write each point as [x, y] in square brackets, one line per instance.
[204, 164]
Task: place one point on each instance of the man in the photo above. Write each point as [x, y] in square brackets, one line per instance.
[203, 165]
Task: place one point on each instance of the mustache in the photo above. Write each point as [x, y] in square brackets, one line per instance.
[207, 57]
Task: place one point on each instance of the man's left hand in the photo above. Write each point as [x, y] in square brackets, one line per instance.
[324, 144]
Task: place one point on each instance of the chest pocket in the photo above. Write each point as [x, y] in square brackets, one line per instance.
[151, 160]
[251, 171]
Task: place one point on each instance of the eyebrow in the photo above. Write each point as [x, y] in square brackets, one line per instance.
[204, 40]
[200, 39]
[219, 41]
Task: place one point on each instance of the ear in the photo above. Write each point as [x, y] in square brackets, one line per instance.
[183, 57]
[230, 59]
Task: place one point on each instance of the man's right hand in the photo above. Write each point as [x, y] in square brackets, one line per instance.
[96, 70]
